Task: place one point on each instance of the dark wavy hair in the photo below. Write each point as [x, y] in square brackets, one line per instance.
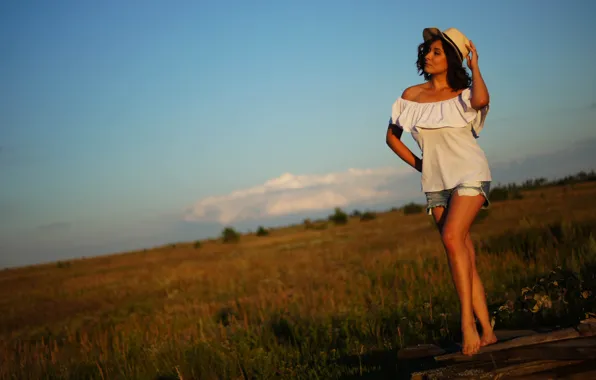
[457, 76]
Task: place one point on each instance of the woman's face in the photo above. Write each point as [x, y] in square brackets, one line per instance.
[435, 60]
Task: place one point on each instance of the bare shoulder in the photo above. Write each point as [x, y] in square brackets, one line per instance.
[412, 92]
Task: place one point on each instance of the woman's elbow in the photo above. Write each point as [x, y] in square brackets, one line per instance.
[480, 103]
[393, 132]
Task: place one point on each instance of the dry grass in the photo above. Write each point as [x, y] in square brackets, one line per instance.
[292, 304]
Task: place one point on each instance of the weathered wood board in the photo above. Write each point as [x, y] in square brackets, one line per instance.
[520, 354]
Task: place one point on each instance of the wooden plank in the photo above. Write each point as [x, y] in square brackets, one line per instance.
[559, 352]
[554, 353]
[582, 371]
[504, 335]
[587, 329]
[427, 350]
[484, 370]
[587, 341]
[517, 360]
[483, 364]
[589, 374]
[526, 369]
[588, 320]
[568, 333]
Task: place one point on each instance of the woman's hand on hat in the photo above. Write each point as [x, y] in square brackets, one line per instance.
[472, 57]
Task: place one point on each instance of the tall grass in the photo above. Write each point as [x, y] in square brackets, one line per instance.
[298, 303]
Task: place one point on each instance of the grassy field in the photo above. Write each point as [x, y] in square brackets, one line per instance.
[328, 301]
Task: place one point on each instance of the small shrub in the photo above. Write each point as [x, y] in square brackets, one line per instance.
[368, 215]
[413, 208]
[197, 244]
[339, 217]
[308, 224]
[63, 264]
[498, 194]
[561, 297]
[261, 231]
[356, 213]
[502, 193]
[229, 235]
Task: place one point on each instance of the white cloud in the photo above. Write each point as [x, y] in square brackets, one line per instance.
[291, 193]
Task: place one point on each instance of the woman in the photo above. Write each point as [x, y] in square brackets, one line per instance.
[444, 115]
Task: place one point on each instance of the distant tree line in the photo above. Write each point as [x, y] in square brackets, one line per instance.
[513, 190]
[510, 191]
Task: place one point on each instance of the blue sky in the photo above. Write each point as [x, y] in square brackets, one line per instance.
[117, 118]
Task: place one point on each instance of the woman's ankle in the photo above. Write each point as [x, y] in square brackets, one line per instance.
[468, 325]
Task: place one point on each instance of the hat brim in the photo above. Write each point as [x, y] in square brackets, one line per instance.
[429, 33]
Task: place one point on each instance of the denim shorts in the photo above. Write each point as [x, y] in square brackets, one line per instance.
[442, 198]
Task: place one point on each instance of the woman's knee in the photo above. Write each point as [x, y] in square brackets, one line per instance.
[453, 240]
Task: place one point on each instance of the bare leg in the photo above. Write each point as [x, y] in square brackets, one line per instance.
[479, 298]
[456, 226]
[478, 295]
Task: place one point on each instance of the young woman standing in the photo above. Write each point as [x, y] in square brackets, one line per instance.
[444, 115]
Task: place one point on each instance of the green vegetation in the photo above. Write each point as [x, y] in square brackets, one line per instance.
[503, 193]
[368, 215]
[63, 264]
[339, 217]
[230, 235]
[413, 208]
[261, 231]
[513, 191]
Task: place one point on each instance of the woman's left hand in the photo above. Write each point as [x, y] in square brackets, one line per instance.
[472, 57]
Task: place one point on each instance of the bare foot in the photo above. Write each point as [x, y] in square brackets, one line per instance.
[488, 337]
[471, 343]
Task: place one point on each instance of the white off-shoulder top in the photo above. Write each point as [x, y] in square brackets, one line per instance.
[446, 132]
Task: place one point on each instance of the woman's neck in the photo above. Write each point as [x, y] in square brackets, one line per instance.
[439, 82]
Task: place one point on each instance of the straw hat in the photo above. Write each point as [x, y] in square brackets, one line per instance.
[453, 36]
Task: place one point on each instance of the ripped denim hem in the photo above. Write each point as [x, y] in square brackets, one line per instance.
[429, 208]
[442, 198]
